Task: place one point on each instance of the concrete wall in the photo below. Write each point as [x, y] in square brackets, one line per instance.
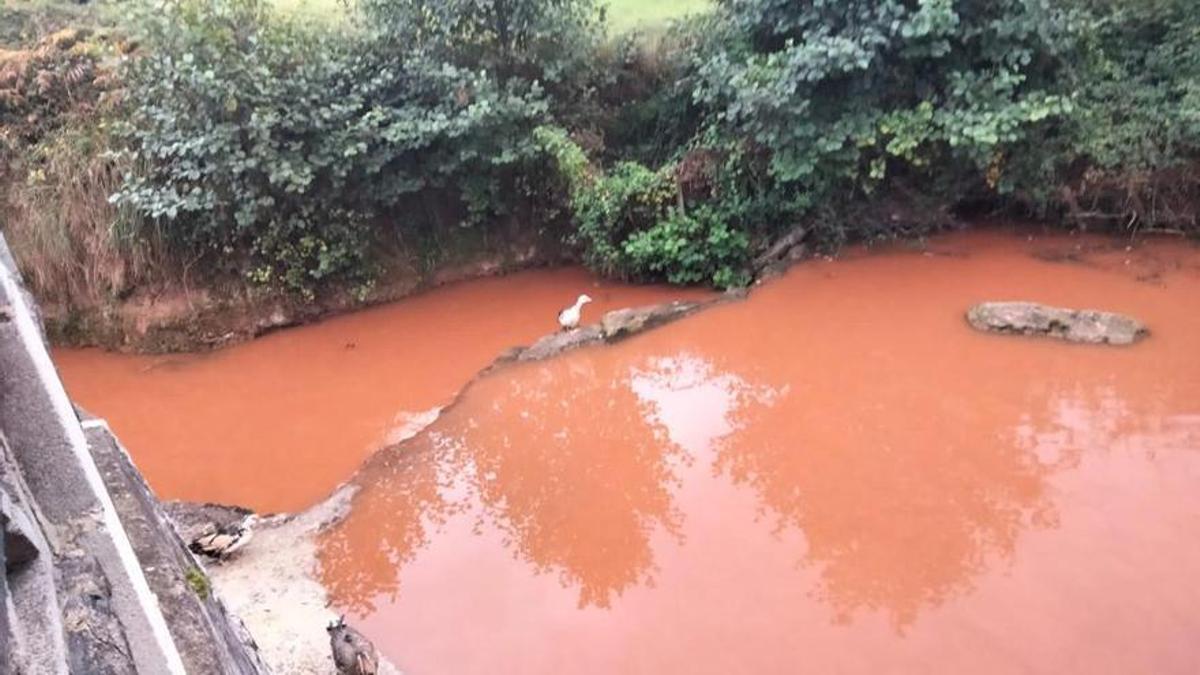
[78, 541]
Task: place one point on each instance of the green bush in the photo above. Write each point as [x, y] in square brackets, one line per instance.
[528, 46]
[696, 247]
[1089, 106]
[632, 221]
[271, 147]
[842, 95]
[613, 207]
[1139, 85]
[289, 153]
[607, 207]
[1127, 157]
[645, 111]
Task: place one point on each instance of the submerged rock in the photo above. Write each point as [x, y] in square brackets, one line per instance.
[1074, 325]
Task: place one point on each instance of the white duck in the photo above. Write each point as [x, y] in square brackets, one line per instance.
[569, 317]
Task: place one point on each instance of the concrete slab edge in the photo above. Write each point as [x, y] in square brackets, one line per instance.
[31, 339]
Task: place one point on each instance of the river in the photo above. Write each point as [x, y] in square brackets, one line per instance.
[277, 423]
[835, 475]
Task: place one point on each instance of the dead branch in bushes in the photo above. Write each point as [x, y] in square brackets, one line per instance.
[1166, 200]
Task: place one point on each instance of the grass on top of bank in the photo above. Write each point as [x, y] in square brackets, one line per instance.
[623, 15]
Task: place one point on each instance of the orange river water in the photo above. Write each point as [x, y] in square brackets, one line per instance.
[275, 424]
[835, 476]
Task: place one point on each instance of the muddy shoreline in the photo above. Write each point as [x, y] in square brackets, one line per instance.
[272, 587]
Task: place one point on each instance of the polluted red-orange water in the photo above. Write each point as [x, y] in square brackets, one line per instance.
[277, 423]
[835, 476]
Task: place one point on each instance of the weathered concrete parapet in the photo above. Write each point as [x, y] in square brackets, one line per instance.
[102, 606]
[92, 584]
[210, 640]
[1074, 325]
[31, 631]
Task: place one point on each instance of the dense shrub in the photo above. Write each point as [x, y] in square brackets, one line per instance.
[1083, 106]
[522, 43]
[634, 222]
[290, 153]
[804, 106]
[56, 172]
[695, 246]
[841, 94]
[278, 142]
[1128, 156]
[645, 112]
[62, 77]
[1139, 82]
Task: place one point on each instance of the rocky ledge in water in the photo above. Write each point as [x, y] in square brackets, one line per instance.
[1074, 325]
[615, 325]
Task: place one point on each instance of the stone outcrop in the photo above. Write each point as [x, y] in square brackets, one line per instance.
[1073, 325]
[614, 326]
[556, 343]
[621, 323]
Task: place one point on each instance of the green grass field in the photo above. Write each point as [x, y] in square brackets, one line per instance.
[626, 14]
[623, 15]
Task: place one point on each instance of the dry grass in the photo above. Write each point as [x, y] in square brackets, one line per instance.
[56, 173]
[65, 234]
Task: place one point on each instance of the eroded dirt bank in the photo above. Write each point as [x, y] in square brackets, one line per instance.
[182, 316]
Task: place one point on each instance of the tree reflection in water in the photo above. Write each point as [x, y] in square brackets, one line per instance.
[578, 463]
[906, 496]
[393, 514]
[570, 471]
[895, 517]
[836, 473]
[564, 459]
